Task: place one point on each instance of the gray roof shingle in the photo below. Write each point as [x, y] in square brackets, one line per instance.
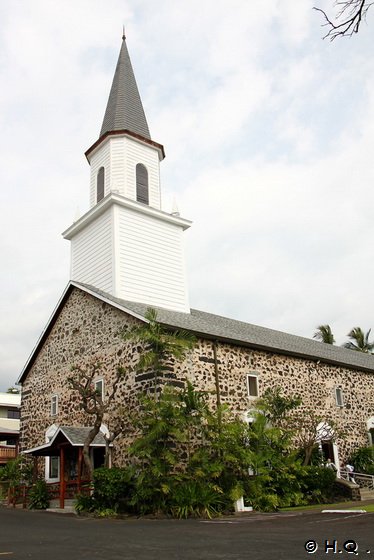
[77, 436]
[124, 110]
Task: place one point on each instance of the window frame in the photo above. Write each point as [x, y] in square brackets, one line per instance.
[97, 382]
[50, 467]
[250, 376]
[339, 398]
[100, 184]
[142, 183]
[13, 413]
[54, 404]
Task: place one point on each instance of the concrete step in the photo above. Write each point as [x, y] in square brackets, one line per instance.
[366, 494]
[55, 505]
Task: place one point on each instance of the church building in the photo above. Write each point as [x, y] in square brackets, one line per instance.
[127, 256]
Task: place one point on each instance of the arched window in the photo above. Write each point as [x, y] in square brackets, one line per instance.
[100, 184]
[142, 184]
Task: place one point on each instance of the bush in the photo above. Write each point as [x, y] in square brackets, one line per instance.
[192, 498]
[318, 484]
[112, 488]
[363, 460]
[38, 495]
[84, 503]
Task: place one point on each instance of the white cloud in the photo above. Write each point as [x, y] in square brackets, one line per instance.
[268, 133]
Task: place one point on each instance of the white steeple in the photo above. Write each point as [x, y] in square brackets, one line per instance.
[125, 244]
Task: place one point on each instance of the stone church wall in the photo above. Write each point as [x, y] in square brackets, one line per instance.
[87, 329]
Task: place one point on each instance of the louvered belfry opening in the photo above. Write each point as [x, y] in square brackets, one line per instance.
[142, 194]
[100, 184]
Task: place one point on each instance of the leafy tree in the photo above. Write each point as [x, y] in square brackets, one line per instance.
[160, 345]
[324, 334]
[309, 428]
[359, 341]
[275, 406]
[348, 19]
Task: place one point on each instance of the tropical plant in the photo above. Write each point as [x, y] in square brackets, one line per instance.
[160, 344]
[17, 471]
[84, 503]
[359, 341]
[38, 495]
[363, 460]
[324, 334]
[193, 498]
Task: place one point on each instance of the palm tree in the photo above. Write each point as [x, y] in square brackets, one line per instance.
[159, 343]
[360, 340]
[324, 334]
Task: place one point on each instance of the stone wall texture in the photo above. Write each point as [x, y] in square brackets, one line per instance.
[88, 329]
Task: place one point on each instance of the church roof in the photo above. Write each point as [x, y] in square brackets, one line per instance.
[124, 109]
[215, 327]
[223, 329]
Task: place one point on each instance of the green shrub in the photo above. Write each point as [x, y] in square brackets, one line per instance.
[318, 484]
[192, 498]
[363, 460]
[38, 495]
[113, 488]
[84, 503]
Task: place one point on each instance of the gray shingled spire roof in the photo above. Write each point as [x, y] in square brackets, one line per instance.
[124, 109]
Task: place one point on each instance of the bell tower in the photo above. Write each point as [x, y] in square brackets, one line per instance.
[125, 244]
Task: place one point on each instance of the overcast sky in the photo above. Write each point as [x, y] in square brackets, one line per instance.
[269, 138]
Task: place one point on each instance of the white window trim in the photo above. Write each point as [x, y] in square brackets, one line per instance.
[96, 382]
[49, 478]
[255, 375]
[339, 398]
[54, 404]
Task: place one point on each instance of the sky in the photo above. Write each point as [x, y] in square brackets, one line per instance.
[268, 131]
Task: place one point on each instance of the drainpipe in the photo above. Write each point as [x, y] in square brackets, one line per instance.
[218, 392]
[216, 375]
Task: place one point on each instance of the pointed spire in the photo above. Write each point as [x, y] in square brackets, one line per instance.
[124, 110]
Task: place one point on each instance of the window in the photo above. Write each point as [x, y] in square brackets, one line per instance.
[54, 405]
[13, 413]
[339, 396]
[142, 184]
[53, 467]
[100, 184]
[99, 388]
[371, 436]
[252, 385]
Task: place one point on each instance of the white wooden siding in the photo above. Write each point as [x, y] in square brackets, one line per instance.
[92, 253]
[120, 156]
[151, 261]
[148, 156]
[117, 168]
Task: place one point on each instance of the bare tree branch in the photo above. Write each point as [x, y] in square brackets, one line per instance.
[93, 403]
[352, 12]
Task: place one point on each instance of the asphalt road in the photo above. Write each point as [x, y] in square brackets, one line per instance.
[42, 535]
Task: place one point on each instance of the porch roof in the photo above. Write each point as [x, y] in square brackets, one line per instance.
[75, 436]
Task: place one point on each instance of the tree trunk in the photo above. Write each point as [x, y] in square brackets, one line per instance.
[86, 447]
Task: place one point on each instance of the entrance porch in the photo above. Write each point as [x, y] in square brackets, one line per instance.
[65, 470]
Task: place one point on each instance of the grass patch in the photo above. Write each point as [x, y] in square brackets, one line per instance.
[336, 505]
[369, 508]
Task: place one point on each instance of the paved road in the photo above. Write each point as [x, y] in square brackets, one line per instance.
[42, 535]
